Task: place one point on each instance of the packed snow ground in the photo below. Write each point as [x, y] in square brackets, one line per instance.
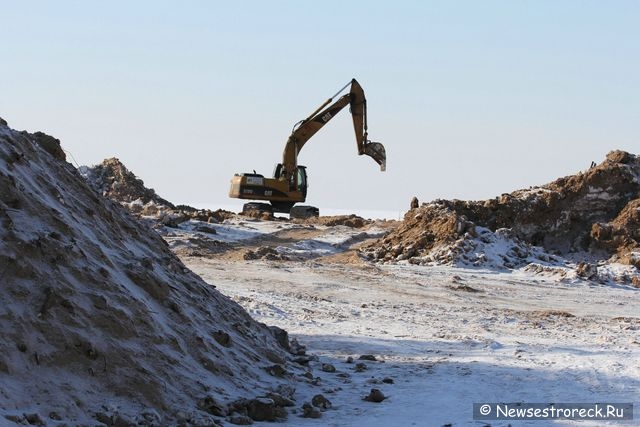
[446, 337]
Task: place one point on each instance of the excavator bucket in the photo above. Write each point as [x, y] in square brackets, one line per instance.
[376, 151]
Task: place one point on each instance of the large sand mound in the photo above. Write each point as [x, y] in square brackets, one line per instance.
[99, 320]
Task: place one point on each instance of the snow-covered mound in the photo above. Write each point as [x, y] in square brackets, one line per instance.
[101, 323]
[437, 235]
[593, 215]
[112, 179]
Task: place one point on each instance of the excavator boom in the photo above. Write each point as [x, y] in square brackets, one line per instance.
[305, 129]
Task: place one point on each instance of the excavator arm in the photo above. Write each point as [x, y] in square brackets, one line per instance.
[305, 129]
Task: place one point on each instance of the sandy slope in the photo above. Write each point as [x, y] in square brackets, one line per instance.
[446, 336]
[100, 323]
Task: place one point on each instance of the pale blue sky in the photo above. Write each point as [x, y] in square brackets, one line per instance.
[471, 98]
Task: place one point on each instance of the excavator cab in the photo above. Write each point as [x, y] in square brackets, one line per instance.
[298, 181]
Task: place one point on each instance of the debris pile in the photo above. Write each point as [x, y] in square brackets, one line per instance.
[593, 214]
[112, 179]
[101, 323]
[352, 221]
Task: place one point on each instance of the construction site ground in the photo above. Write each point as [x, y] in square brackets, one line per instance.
[443, 337]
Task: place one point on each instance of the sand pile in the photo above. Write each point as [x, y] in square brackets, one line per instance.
[99, 321]
[352, 221]
[112, 179]
[592, 214]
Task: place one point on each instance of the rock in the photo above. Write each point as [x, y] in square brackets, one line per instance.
[375, 396]
[265, 253]
[240, 420]
[328, 367]
[370, 357]
[15, 419]
[587, 271]
[222, 338]
[309, 411]
[281, 336]
[275, 357]
[360, 367]
[303, 360]
[172, 219]
[280, 400]
[262, 409]
[205, 229]
[321, 402]
[286, 390]
[149, 417]
[114, 420]
[349, 359]
[103, 418]
[387, 380]
[277, 371]
[50, 144]
[211, 405]
[150, 209]
[55, 416]
[34, 419]
[297, 348]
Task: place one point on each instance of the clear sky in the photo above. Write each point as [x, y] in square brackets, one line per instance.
[471, 98]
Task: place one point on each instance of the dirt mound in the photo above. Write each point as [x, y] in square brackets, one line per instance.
[353, 221]
[99, 321]
[207, 215]
[436, 234]
[112, 179]
[593, 211]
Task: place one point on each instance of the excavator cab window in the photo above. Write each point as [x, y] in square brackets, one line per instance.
[302, 180]
[277, 171]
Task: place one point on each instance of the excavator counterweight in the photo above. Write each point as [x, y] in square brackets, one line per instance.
[289, 183]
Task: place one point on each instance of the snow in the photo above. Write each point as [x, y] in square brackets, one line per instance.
[447, 336]
[233, 230]
[335, 240]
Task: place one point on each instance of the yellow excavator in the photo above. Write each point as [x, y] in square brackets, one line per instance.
[289, 183]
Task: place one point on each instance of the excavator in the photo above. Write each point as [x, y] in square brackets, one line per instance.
[289, 183]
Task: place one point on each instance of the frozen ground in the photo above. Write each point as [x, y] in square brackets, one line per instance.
[446, 337]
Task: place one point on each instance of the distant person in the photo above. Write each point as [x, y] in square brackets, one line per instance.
[414, 203]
